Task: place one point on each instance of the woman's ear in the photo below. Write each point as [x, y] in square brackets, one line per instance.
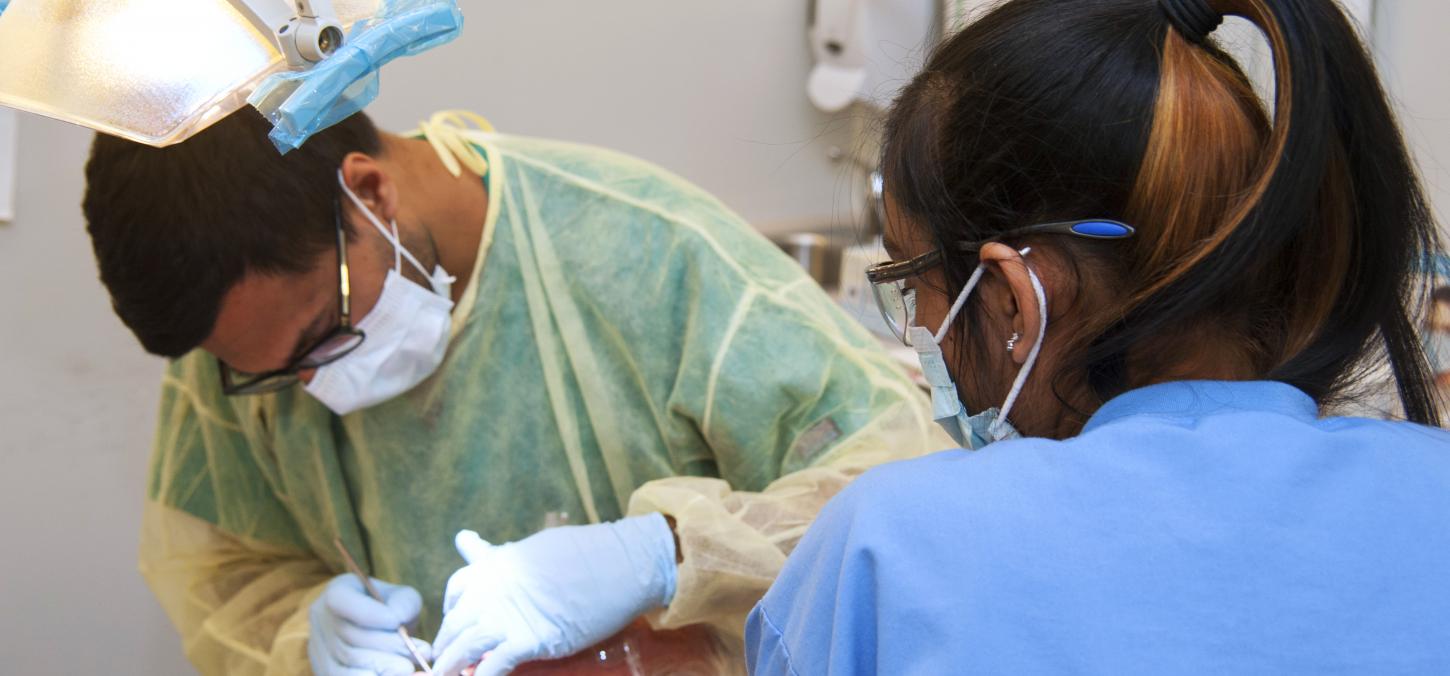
[1017, 300]
[371, 183]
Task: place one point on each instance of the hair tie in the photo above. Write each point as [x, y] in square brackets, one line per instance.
[1195, 19]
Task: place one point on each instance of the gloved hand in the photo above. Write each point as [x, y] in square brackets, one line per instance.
[553, 593]
[353, 634]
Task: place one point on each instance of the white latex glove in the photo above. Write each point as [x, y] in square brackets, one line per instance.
[553, 593]
[354, 635]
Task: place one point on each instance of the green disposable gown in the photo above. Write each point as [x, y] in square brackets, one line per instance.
[626, 344]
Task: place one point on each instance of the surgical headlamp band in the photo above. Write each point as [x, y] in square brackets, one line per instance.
[1194, 19]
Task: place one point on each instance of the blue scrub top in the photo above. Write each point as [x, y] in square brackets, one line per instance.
[1193, 527]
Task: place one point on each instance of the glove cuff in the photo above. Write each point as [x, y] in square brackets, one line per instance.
[652, 547]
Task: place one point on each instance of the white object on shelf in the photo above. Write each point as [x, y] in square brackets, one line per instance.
[9, 155]
[866, 50]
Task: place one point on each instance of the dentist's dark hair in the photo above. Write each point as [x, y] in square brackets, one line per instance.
[175, 228]
[1303, 235]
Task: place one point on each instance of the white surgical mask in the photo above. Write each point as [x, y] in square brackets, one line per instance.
[407, 334]
[972, 431]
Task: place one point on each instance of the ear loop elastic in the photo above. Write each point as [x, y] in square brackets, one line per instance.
[399, 251]
[999, 425]
[960, 302]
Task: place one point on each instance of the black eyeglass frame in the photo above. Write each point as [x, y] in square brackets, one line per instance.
[886, 278]
[891, 271]
[272, 381]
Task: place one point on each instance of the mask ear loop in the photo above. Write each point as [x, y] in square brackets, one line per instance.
[999, 426]
[399, 251]
[397, 248]
[960, 302]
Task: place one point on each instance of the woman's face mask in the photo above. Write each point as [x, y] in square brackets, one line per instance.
[406, 332]
[972, 431]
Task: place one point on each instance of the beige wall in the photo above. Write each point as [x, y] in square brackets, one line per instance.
[1414, 61]
[77, 402]
[714, 91]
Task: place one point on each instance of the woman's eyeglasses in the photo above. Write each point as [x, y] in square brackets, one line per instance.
[898, 301]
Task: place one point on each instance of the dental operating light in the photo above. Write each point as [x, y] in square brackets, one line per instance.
[159, 71]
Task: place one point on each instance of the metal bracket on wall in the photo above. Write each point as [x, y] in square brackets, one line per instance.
[9, 156]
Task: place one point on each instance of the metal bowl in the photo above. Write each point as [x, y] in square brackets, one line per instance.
[815, 252]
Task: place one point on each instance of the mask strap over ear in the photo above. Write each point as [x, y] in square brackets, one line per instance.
[960, 302]
[399, 251]
[1000, 424]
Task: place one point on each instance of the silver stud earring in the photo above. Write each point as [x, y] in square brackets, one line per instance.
[1012, 342]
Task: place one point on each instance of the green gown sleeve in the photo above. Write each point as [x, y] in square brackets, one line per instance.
[796, 403]
[218, 547]
[694, 369]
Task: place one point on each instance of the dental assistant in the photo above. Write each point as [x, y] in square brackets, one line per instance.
[1167, 291]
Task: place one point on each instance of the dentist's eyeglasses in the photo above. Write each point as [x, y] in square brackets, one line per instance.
[897, 301]
[336, 344]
